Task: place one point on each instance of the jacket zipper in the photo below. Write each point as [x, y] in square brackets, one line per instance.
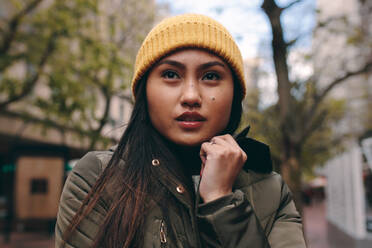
[163, 237]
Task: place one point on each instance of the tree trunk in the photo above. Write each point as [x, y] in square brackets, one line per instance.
[30, 82]
[292, 173]
[292, 144]
[96, 134]
[279, 47]
[290, 166]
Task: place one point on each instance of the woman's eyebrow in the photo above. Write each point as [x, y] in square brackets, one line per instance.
[172, 62]
[182, 66]
[210, 64]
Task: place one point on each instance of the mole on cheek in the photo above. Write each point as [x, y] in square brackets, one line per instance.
[213, 98]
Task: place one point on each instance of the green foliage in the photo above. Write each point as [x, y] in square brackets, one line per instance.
[79, 53]
[317, 148]
[324, 142]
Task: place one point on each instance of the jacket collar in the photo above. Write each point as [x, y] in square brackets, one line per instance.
[258, 155]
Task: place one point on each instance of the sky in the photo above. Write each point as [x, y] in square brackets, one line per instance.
[250, 28]
[242, 18]
[245, 20]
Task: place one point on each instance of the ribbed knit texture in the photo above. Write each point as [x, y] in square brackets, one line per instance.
[188, 31]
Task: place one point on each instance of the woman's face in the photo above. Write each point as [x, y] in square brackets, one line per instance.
[189, 95]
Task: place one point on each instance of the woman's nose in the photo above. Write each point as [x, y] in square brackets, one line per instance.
[190, 94]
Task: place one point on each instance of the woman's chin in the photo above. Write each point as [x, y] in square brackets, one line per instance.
[189, 141]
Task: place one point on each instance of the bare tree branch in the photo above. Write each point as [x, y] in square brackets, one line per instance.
[30, 82]
[45, 121]
[14, 24]
[324, 23]
[107, 92]
[7, 60]
[291, 4]
[320, 97]
[279, 47]
[102, 122]
[312, 126]
[367, 67]
[126, 98]
[292, 42]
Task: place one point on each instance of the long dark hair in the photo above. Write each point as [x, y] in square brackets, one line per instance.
[130, 178]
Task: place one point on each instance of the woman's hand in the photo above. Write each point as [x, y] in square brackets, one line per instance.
[222, 161]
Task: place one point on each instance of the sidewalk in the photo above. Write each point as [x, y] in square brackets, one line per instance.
[315, 225]
[322, 234]
[28, 240]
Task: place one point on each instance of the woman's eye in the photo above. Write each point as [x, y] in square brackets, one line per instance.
[211, 76]
[170, 75]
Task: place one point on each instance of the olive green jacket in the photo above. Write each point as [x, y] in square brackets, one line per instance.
[259, 213]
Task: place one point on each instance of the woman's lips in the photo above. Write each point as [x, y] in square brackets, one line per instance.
[190, 125]
[190, 120]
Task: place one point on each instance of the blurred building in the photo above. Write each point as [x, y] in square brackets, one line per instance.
[34, 160]
[35, 155]
[251, 72]
[342, 44]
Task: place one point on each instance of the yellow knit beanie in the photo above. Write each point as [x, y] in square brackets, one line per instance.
[188, 31]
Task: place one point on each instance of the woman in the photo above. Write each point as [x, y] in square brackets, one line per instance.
[188, 87]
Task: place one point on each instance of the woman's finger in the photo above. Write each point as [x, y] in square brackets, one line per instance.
[202, 169]
[229, 139]
[218, 140]
[207, 146]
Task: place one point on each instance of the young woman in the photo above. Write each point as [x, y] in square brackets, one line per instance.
[178, 178]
